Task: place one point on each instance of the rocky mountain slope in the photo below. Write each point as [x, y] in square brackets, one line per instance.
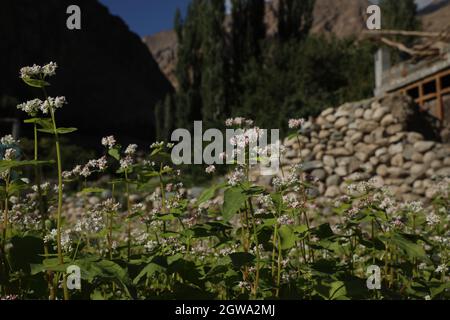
[436, 16]
[109, 77]
[341, 18]
[163, 47]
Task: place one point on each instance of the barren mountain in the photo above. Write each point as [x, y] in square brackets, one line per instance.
[341, 18]
[436, 16]
[163, 46]
[107, 74]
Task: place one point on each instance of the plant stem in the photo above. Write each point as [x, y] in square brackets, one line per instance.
[311, 250]
[373, 240]
[60, 198]
[110, 226]
[5, 230]
[42, 208]
[274, 243]
[280, 256]
[5, 215]
[255, 235]
[163, 195]
[129, 215]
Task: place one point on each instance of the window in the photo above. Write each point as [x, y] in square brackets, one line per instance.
[413, 93]
[429, 87]
[445, 81]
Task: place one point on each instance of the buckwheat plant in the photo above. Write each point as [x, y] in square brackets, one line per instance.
[138, 229]
[37, 76]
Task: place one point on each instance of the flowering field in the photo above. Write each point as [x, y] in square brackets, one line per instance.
[132, 229]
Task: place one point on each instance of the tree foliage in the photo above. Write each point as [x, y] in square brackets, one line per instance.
[229, 66]
[400, 15]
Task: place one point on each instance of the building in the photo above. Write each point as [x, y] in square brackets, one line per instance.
[426, 81]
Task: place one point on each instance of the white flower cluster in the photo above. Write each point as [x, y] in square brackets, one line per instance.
[412, 207]
[244, 285]
[92, 222]
[44, 187]
[285, 220]
[210, 170]
[291, 180]
[25, 215]
[246, 138]
[441, 268]
[32, 107]
[10, 154]
[51, 236]
[131, 149]
[265, 201]
[433, 219]
[151, 245]
[296, 123]
[238, 122]
[47, 70]
[8, 140]
[110, 206]
[100, 164]
[109, 142]
[161, 144]
[360, 188]
[292, 201]
[236, 177]
[126, 162]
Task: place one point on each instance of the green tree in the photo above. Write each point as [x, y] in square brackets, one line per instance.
[214, 85]
[400, 15]
[295, 18]
[189, 66]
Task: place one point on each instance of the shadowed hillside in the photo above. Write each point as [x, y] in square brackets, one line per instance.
[106, 71]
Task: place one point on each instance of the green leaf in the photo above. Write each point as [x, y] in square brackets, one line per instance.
[45, 123]
[114, 153]
[58, 130]
[25, 251]
[287, 237]
[301, 228]
[8, 164]
[92, 190]
[187, 270]
[234, 199]
[435, 291]
[337, 290]
[292, 136]
[16, 186]
[324, 231]
[240, 259]
[151, 269]
[208, 194]
[51, 264]
[410, 248]
[35, 82]
[92, 268]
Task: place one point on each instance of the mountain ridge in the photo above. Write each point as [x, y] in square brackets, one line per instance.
[341, 18]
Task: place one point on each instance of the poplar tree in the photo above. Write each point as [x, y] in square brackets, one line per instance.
[400, 15]
[214, 85]
[295, 19]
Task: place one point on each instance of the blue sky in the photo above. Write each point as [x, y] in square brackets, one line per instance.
[146, 17]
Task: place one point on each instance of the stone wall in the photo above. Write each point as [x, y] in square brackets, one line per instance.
[364, 140]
